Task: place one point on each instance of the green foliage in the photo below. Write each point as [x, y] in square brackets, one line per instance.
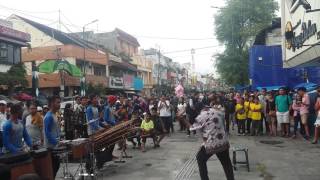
[15, 77]
[236, 25]
[96, 89]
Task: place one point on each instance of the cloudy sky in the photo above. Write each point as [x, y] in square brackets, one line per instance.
[172, 25]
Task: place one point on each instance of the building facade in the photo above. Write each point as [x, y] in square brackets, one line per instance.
[51, 44]
[144, 66]
[11, 42]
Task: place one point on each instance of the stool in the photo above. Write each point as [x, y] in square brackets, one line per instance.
[235, 162]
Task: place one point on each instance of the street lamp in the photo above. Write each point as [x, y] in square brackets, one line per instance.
[83, 80]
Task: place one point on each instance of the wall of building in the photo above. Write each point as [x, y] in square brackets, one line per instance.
[274, 38]
[38, 38]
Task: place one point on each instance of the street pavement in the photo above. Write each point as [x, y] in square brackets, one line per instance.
[279, 159]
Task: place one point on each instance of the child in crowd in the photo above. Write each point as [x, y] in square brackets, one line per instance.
[256, 109]
[241, 116]
[147, 130]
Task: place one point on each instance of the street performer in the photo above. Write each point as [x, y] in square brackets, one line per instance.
[52, 130]
[94, 120]
[214, 141]
[14, 132]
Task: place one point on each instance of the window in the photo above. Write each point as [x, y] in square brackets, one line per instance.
[17, 55]
[10, 59]
[99, 70]
[3, 51]
[10, 53]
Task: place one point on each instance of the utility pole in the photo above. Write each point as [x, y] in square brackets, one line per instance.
[84, 54]
[158, 82]
[59, 26]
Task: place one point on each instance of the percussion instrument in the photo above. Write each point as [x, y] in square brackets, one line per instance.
[19, 163]
[108, 137]
[79, 147]
[42, 158]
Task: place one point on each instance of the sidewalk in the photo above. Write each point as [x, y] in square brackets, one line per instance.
[289, 160]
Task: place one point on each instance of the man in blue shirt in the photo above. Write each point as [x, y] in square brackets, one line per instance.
[52, 130]
[14, 132]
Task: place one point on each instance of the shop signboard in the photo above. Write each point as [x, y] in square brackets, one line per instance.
[116, 82]
[301, 33]
[128, 81]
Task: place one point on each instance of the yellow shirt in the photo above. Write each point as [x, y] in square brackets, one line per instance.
[241, 115]
[246, 105]
[147, 126]
[256, 116]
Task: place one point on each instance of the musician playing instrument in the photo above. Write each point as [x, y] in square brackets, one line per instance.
[93, 116]
[14, 132]
[52, 130]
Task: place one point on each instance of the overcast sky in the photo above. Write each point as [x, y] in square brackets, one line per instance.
[155, 23]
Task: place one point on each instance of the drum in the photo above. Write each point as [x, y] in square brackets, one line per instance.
[19, 164]
[59, 150]
[79, 148]
[41, 159]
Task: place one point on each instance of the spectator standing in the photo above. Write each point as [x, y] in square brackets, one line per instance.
[34, 125]
[317, 123]
[80, 119]
[248, 105]
[256, 115]
[69, 124]
[263, 101]
[304, 110]
[165, 112]
[3, 118]
[230, 107]
[271, 114]
[241, 116]
[181, 114]
[283, 106]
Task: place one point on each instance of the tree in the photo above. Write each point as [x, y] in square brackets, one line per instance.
[236, 25]
[15, 77]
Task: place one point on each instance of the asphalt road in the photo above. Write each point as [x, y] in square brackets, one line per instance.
[271, 158]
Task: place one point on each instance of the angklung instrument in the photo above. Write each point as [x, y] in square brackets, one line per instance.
[107, 137]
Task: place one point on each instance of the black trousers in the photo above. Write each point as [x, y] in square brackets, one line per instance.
[55, 164]
[266, 123]
[248, 121]
[224, 158]
[227, 118]
[241, 126]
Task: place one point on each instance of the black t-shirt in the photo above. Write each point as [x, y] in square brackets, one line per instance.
[230, 106]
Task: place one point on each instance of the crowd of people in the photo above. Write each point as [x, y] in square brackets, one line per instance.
[274, 113]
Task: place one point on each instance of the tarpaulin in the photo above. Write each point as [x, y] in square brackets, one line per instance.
[266, 69]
